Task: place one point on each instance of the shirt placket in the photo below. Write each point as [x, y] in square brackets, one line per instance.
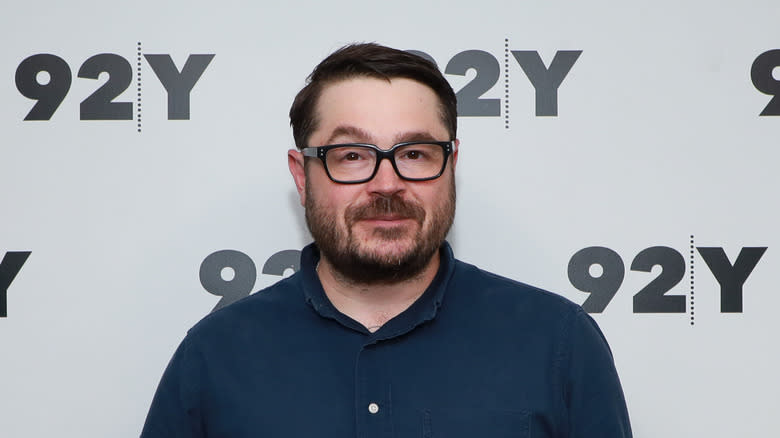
[373, 401]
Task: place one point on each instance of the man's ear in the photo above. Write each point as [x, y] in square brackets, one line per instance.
[455, 154]
[298, 171]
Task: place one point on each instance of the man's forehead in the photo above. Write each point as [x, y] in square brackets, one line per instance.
[342, 104]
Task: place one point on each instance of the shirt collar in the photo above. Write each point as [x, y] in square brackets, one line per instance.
[422, 310]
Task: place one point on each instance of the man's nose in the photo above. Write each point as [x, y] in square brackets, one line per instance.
[386, 181]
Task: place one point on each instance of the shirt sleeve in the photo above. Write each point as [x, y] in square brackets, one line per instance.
[592, 393]
[175, 411]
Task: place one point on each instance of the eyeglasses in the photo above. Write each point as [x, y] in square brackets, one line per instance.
[355, 163]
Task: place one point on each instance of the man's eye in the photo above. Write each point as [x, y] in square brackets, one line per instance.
[350, 155]
[413, 155]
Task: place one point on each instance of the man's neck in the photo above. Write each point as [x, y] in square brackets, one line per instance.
[373, 305]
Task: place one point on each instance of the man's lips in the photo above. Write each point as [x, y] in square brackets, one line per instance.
[385, 213]
[385, 219]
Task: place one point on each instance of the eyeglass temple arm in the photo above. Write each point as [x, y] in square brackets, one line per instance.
[309, 152]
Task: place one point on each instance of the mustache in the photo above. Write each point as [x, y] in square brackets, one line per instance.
[393, 205]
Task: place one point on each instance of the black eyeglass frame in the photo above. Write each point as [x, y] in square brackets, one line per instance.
[321, 151]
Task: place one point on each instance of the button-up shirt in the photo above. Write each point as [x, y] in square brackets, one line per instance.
[477, 355]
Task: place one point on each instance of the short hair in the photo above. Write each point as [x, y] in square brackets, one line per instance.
[373, 61]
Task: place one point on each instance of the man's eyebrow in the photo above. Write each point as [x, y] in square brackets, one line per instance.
[414, 136]
[353, 132]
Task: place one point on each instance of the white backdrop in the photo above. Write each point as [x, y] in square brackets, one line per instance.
[657, 142]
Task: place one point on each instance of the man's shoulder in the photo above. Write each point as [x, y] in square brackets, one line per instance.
[267, 307]
[483, 285]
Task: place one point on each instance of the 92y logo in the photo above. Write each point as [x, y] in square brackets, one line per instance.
[10, 266]
[232, 274]
[761, 74]
[602, 286]
[545, 79]
[100, 105]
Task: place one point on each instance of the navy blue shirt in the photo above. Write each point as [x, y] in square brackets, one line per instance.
[477, 355]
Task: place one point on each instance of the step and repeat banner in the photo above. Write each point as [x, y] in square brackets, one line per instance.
[621, 154]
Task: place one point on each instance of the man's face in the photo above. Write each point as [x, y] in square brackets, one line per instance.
[386, 229]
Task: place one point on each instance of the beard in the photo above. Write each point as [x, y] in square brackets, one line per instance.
[389, 261]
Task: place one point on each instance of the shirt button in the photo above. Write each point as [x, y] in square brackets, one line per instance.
[373, 408]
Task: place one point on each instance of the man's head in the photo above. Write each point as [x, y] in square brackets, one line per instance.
[384, 228]
[370, 61]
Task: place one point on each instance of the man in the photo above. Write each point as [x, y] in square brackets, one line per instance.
[382, 333]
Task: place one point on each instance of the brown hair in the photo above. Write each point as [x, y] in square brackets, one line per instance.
[375, 61]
